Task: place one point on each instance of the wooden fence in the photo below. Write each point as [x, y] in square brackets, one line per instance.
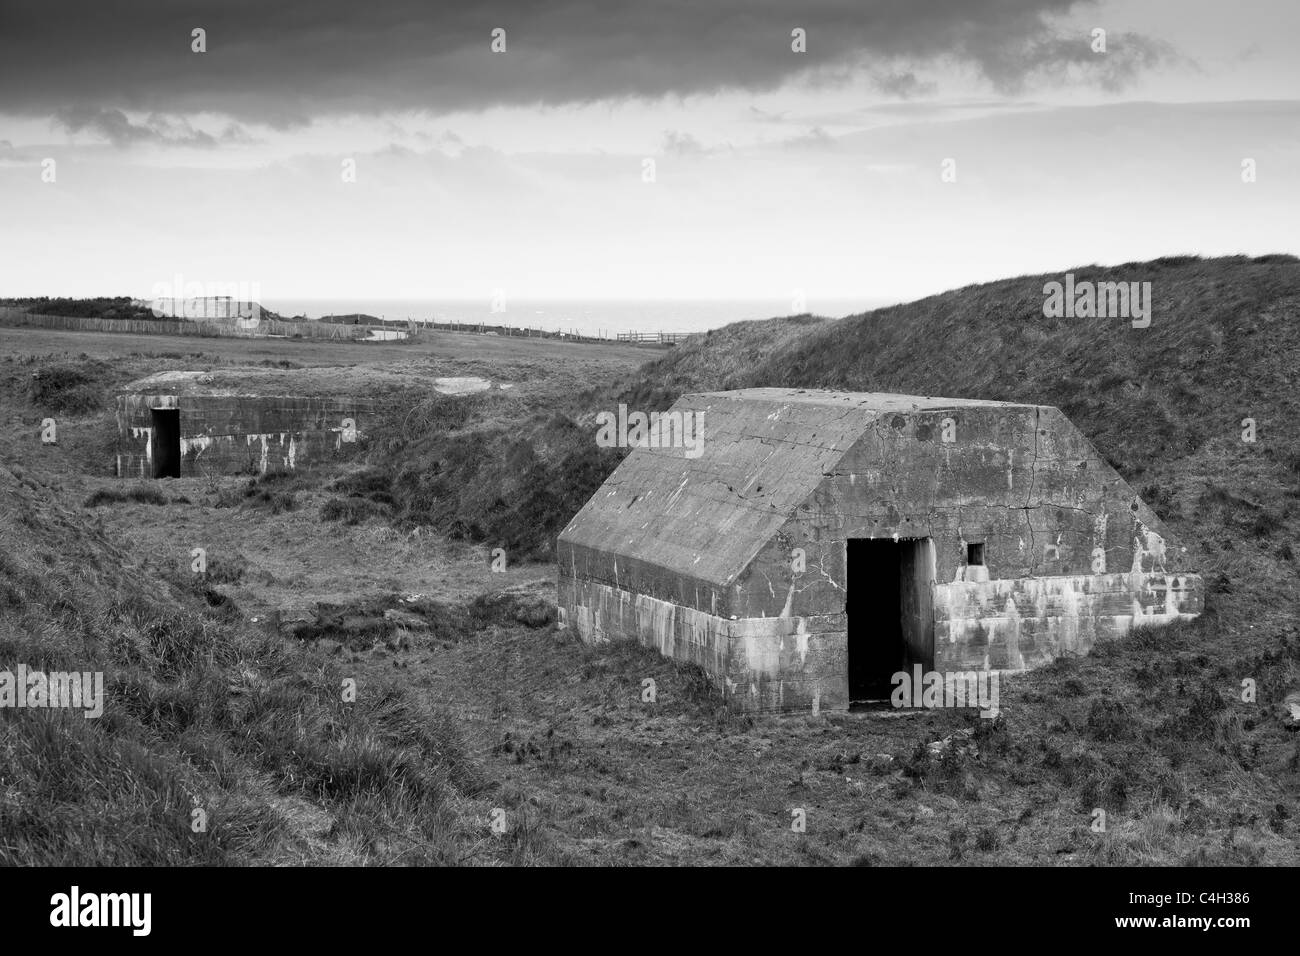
[659, 338]
[568, 335]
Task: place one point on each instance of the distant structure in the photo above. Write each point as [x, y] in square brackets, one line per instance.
[188, 423]
[211, 308]
[814, 543]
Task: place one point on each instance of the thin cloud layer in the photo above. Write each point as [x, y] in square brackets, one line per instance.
[119, 130]
[290, 62]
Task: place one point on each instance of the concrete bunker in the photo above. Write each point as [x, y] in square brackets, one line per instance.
[239, 421]
[823, 541]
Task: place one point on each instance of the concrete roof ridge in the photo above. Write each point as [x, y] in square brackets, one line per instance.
[872, 401]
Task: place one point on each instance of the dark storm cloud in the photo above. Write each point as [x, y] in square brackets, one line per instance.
[1126, 56]
[289, 61]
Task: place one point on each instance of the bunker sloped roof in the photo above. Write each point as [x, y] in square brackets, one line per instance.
[877, 402]
[252, 382]
[764, 452]
[354, 381]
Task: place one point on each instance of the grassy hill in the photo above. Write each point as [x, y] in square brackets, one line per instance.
[207, 706]
[203, 711]
[1221, 346]
[105, 307]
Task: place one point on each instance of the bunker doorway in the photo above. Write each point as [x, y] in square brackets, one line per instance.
[166, 443]
[890, 610]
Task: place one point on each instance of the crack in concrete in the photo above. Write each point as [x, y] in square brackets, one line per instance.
[1029, 498]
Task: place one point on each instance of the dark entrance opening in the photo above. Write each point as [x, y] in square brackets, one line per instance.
[890, 613]
[166, 443]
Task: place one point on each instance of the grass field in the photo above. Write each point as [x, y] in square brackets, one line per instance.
[211, 706]
[452, 346]
[472, 707]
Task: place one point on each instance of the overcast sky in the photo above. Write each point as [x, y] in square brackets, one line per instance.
[526, 170]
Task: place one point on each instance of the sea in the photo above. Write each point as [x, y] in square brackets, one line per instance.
[598, 318]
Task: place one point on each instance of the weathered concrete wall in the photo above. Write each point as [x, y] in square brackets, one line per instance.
[800, 663]
[235, 434]
[1012, 625]
[1019, 479]
[759, 664]
[917, 602]
[1054, 519]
